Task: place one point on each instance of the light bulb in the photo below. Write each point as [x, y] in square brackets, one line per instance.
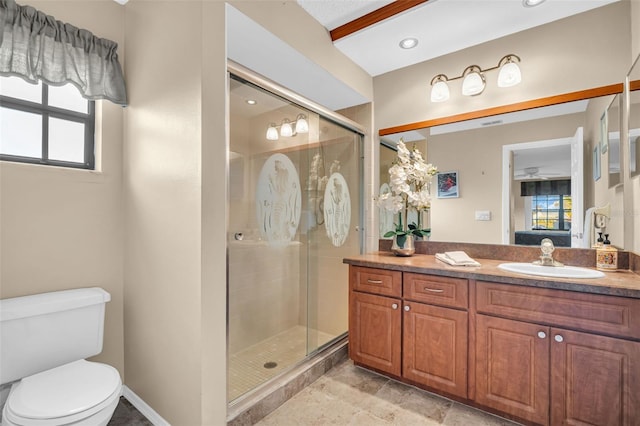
[473, 84]
[509, 75]
[272, 132]
[302, 126]
[440, 91]
[285, 129]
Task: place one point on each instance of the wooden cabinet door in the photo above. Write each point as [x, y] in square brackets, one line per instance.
[374, 332]
[435, 347]
[512, 367]
[595, 380]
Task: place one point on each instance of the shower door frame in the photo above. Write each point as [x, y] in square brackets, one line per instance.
[251, 77]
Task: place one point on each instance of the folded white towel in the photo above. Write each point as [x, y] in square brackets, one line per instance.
[456, 258]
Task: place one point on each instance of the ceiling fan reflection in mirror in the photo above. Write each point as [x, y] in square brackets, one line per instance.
[533, 173]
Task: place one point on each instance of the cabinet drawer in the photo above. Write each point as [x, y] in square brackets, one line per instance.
[617, 316]
[376, 281]
[435, 290]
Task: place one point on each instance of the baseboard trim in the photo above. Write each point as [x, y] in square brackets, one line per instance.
[143, 407]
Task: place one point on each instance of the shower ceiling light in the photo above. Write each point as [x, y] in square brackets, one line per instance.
[272, 132]
[532, 3]
[286, 128]
[409, 43]
[302, 126]
[474, 81]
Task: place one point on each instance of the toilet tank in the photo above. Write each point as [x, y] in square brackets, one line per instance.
[44, 331]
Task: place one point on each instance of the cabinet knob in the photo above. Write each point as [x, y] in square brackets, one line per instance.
[394, 306]
[558, 338]
[542, 334]
[407, 308]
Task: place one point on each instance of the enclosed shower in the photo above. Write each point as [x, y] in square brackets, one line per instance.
[295, 185]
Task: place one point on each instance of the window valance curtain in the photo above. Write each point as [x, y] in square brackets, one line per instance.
[36, 47]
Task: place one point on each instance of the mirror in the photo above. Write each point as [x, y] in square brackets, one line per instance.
[610, 140]
[533, 145]
[634, 119]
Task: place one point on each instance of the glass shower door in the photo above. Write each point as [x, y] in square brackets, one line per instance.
[294, 206]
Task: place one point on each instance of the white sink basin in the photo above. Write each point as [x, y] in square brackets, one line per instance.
[551, 271]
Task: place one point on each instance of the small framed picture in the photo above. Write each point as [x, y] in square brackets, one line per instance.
[448, 185]
[596, 163]
[604, 139]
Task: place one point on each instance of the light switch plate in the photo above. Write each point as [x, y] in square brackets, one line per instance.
[483, 215]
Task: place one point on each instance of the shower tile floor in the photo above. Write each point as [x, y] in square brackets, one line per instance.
[247, 367]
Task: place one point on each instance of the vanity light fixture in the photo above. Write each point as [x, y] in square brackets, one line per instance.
[287, 129]
[439, 89]
[474, 81]
[408, 43]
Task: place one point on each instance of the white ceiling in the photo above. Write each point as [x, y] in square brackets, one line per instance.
[441, 26]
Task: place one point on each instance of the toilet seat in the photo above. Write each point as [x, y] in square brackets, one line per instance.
[63, 395]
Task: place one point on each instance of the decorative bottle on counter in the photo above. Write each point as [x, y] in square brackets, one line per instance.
[607, 256]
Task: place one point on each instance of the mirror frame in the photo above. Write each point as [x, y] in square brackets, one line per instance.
[580, 95]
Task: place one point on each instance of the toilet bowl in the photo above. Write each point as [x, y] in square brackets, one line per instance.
[78, 393]
[44, 342]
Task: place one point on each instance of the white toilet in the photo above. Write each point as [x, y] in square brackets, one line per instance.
[44, 340]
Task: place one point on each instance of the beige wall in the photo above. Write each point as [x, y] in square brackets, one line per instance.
[63, 228]
[477, 156]
[292, 24]
[402, 97]
[174, 178]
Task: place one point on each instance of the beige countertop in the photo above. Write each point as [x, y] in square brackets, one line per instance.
[620, 283]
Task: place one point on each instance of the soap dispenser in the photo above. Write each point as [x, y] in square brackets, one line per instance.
[599, 241]
[607, 256]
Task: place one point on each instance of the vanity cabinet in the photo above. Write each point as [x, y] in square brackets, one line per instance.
[435, 332]
[512, 367]
[411, 326]
[546, 374]
[375, 319]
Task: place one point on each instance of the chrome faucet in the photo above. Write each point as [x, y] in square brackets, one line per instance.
[546, 259]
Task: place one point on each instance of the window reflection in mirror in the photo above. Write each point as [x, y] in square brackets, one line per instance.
[634, 119]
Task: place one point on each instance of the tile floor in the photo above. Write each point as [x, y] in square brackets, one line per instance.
[349, 395]
[127, 415]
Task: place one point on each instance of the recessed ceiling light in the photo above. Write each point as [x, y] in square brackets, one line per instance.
[251, 101]
[532, 3]
[409, 43]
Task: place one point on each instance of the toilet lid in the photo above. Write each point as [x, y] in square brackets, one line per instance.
[63, 391]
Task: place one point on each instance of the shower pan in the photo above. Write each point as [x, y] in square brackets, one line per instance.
[295, 208]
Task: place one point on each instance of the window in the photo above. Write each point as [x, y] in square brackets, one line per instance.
[44, 124]
[551, 212]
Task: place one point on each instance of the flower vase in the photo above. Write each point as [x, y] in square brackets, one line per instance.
[403, 245]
